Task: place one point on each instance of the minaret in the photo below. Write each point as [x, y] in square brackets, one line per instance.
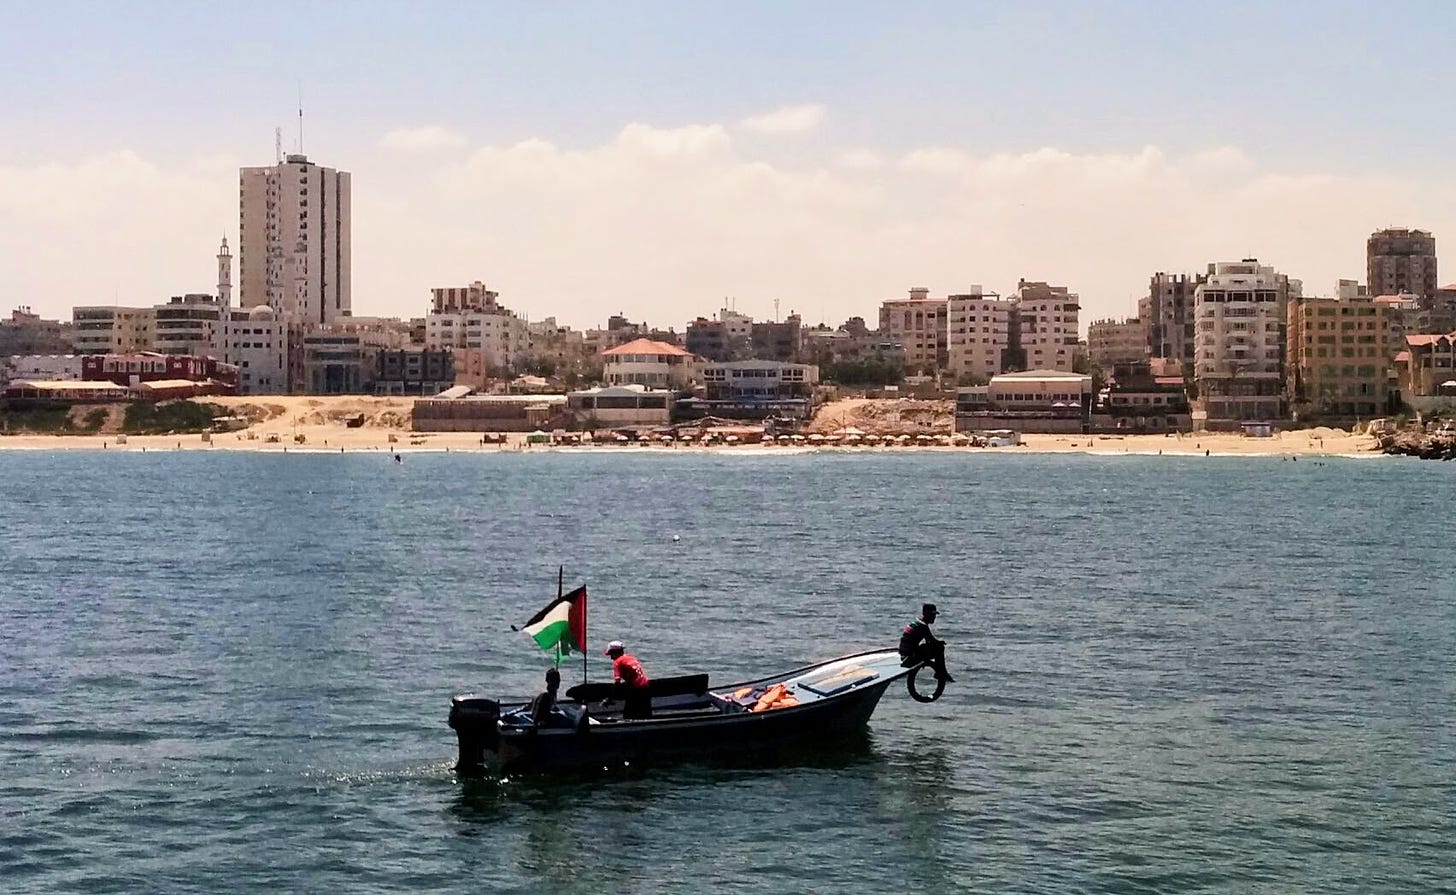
[225, 275]
[221, 341]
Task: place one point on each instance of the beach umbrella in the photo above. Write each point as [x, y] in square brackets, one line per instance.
[851, 438]
[783, 438]
[816, 437]
[872, 439]
[731, 439]
[796, 438]
[903, 439]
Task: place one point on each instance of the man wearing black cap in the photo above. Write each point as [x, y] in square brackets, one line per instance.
[918, 645]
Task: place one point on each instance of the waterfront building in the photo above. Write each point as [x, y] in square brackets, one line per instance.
[168, 371]
[918, 325]
[1240, 324]
[457, 410]
[26, 333]
[1441, 313]
[1338, 357]
[1403, 315]
[294, 240]
[111, 329]
[621, 406]
[1043, 331]
[1140, 397]
[1027, 401]
[1114, 342]
[755, 389]
[978, 334]
[1399, 260]
[650, 363]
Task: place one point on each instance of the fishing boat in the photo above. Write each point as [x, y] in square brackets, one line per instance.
[817, 705]
[677, 719]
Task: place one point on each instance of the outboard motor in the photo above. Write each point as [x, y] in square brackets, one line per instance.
[474, 719]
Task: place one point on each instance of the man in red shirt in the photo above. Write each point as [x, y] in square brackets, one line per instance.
[630, 681]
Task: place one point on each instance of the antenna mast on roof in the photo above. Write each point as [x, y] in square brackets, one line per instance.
[300, 118]
[277, 145]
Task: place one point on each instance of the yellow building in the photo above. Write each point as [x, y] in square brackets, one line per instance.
[1338, 357]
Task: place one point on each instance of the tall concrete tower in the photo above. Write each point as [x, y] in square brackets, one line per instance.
[293, 240]
[225, 275]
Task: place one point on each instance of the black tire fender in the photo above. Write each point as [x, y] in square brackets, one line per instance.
[916, 694]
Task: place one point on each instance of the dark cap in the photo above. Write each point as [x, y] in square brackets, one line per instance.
[927, 609]
[553, 676]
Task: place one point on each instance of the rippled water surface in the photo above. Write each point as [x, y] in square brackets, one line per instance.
[231, 672]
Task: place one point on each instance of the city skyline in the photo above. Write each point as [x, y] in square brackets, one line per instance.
[630, 165]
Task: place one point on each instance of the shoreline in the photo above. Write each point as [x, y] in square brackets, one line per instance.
[334, 440]
[323, 424]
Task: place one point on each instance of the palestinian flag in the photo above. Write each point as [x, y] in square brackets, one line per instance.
[561, 626]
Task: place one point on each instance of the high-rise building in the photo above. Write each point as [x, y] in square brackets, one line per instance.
[1399, 260]
[1239, 342]
[978, 327]
[293, 240]
[109, 329]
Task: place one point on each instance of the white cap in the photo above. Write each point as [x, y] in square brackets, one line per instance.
[614, 645]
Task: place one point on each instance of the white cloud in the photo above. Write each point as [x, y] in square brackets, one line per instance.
[422, 139]
[786, 120]
[662, 223]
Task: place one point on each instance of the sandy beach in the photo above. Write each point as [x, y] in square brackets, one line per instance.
[276, 422]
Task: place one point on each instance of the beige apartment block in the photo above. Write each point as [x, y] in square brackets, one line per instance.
[107, 329]
[1046, 325]
[1113, 342]
[978, 332]
[294, 240]
[917, 323]
[1338, 357]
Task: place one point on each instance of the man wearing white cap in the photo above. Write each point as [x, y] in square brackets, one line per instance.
[629, 681]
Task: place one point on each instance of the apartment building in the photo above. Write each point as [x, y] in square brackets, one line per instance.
[1114, 342]
[487, 338]
[1044, 327]
[108, 329]
[1239, 341]
[978, 333]
[1167, 314]
[1338, 357]
[918, 324]
[1400, 260]
[294, 240]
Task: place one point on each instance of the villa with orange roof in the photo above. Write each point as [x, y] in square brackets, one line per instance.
[649, 363]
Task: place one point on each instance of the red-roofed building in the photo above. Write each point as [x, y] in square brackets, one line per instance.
[1428, 362]
[650, 363]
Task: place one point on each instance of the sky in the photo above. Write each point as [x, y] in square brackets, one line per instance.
[662, 159]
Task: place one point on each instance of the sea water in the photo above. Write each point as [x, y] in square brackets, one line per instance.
[232, 671]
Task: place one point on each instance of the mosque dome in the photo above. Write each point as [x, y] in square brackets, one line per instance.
[260, 312]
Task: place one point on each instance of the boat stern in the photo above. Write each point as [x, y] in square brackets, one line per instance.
[475, 720]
